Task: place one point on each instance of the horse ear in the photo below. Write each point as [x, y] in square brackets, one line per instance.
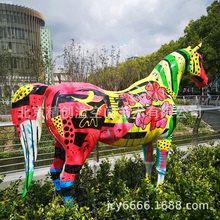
[189, 48]
[197, 47]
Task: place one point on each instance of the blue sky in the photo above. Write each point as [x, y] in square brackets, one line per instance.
[136, 27]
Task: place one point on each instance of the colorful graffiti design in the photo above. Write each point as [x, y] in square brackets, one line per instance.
[78, 115]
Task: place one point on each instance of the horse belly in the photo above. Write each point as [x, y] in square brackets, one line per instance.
[129, 137]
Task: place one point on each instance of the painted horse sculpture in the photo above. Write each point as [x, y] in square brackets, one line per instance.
[78, 115]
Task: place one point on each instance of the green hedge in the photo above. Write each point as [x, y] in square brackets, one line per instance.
[190, 192]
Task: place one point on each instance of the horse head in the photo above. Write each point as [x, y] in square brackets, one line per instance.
[195, 69]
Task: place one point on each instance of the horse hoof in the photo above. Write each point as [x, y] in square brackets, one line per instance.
[68, 201]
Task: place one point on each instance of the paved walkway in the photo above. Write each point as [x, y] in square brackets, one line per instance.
[40, 173]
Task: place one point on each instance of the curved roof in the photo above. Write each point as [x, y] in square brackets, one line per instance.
[24, 9]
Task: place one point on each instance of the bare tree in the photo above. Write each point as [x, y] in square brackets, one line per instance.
[80, 63]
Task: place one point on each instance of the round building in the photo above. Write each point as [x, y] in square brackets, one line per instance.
[20, 27]
[20, 44]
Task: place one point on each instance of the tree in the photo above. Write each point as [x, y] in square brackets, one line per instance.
[78, 63]
[7, 65]
[81, 65]
[28, 68]
[32, 66]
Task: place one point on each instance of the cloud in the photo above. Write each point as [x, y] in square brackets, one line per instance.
[137, 27]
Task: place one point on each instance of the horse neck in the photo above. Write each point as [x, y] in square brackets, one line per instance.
[170, 70]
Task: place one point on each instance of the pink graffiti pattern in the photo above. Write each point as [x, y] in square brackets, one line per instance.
[156, 117]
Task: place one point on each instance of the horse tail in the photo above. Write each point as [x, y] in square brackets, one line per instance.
[27, 116]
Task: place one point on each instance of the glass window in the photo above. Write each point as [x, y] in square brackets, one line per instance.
[18, 18]
[4, 19]
[14, 48]
[14, 63]
[9, 32]
[10, 45]
[13, 32]
[8, 18]
[5, 32]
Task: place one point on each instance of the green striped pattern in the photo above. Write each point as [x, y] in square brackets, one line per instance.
[171, 69]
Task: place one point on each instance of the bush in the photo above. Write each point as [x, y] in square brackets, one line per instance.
[190, 191]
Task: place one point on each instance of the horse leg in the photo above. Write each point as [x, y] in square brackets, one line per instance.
[72, 167]
[75, 158]
[163, 147]
[148, 160]
[57, 165]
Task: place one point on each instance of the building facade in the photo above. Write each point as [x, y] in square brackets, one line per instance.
[47, 52]
[21, 45]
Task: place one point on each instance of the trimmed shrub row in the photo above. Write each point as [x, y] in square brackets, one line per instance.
[191, 191]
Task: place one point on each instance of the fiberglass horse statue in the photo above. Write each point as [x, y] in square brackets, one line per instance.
[78, 115]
